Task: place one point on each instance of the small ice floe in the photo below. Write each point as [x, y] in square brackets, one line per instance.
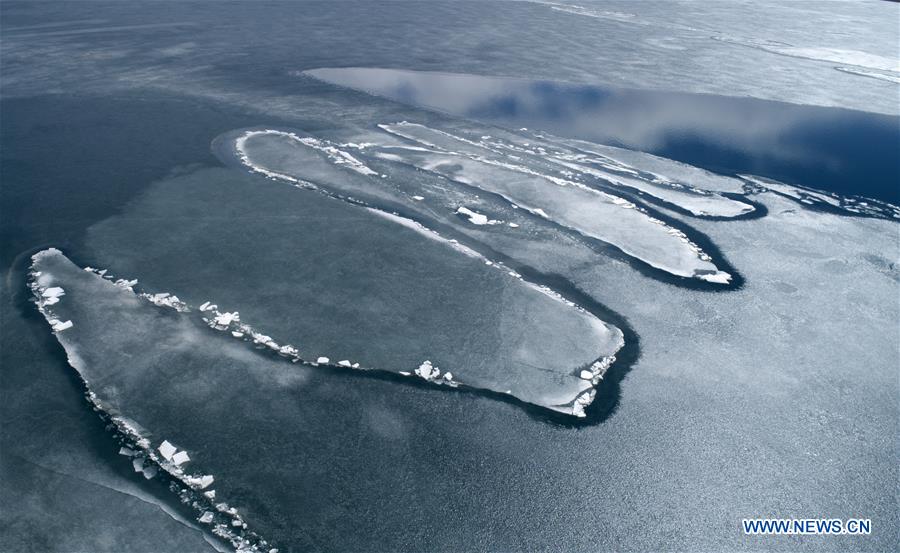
[199, 482]
[719, 277]
[237, 334]
[127, 451]
[167, 450]
[53, 292]
[513, 225]
[204, 306]
[448, 376]
[210, 494]
[259, 338]
[418, 198]
[225, 319]
[164, 299]
[59, 326]
[597, 370]
[322, 360]
[206, 517]
[126, 284]
[345, 363]
[583, 401]
[476, 218]
[149, 471]
[137, 463]
[180, 458]
[288, 351]
[428, 371]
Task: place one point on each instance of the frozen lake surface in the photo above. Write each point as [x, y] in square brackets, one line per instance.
[614, 284]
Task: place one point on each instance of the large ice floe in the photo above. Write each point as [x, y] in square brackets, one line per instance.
[356, 287]
[125, 344]
[551, 193]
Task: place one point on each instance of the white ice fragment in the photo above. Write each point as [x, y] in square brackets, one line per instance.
[167, 450]
[200, 482]
[288, 350]
[586, 375]
[204, 306]
[475, 218]
[53, 292]
[210, 494]
[180, 458]
[720, 277]
[322, 360]
[206, 517]
[344, 363]
[513, 225]
[225, 319]
[418, 198]
[138, 463]
[150, 471]
[448, 376]
[59, 326]
[237, 334]
[428, 371]
[126, 451]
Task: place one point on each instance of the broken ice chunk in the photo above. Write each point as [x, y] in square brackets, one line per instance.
[180, 458]
[59, 326]
[322, 360]
[428, 371]
[167, 450]
[53, 292]
[225, 319]
[206, 517]
[345, 363]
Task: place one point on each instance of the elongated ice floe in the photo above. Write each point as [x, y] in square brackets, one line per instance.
[569, 203]
[851, 205]
[49, 269]
[563, 200]
[585, 161]
[569, 387]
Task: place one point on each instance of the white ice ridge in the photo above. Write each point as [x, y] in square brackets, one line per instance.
[569, 203]
[585, 159]
[146, 459]
[832, 55]
[851, 204]
[335, 154]
[889, 77]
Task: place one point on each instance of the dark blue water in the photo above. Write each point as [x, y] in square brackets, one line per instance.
[837, 150]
